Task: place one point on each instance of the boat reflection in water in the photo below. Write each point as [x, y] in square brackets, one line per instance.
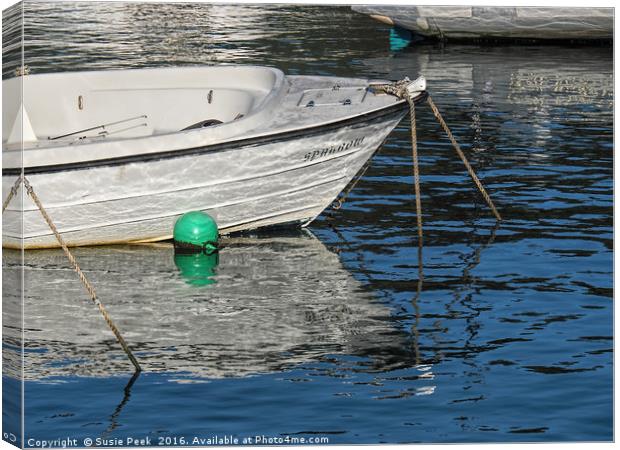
[504, 87]
[510, 76]
[265, 305]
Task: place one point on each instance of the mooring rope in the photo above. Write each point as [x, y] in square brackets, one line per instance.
[400, 90]
[458, 150]
[416, 169]
[89, 287]
[12, 193]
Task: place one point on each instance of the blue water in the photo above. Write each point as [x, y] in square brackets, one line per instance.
[502, 334]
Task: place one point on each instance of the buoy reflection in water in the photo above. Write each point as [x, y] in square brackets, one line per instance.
[197, 269]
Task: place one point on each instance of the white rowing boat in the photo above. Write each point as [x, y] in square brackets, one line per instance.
[117, 156]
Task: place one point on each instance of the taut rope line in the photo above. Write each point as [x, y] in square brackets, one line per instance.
[458, 150]
[408, 90]
[89, 288]
[416, 169]
[12, 193]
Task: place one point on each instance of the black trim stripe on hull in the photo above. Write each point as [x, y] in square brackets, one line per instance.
[392, 110]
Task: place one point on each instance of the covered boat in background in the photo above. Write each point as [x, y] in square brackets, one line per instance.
[497, 22]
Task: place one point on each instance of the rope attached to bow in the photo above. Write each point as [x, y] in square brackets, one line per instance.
[89, 287]
[413, 92]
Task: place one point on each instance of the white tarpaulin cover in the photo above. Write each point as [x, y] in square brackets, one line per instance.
[498, 22]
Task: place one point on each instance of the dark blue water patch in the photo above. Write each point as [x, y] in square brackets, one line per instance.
[341, 397]
[12, 410]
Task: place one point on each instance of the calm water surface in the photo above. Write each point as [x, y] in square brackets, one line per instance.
[504, 334]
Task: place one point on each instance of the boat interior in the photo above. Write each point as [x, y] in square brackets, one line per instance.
[69, 107]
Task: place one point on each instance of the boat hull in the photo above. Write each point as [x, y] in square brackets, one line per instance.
[280, 179]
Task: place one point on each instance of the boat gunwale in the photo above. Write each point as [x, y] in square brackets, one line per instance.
[276, 91]
[230, 145]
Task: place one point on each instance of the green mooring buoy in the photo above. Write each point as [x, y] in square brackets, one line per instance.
[196, 231]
